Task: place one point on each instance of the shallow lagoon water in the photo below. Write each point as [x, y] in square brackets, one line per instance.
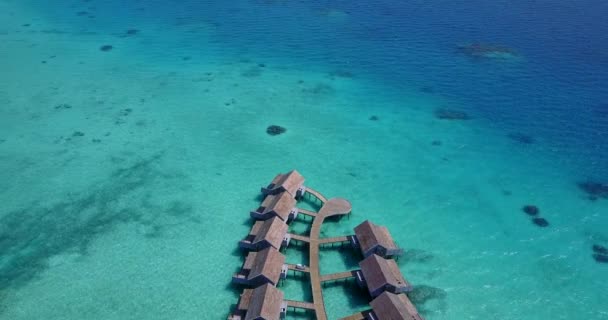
[127, 174]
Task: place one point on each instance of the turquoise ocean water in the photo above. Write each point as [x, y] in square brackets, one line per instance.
[133, 145]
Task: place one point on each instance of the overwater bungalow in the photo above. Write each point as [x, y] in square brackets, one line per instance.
[262, 303]
[375, 239]
[390, 306]
[261, 267]
[264, 234]
[380, 275]
[291, 182]
[281, 205]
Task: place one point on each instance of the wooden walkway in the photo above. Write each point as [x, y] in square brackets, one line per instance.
[316, 194]
[299, 237]
[333, 207]
[334, 239]
[293, 267]
[338, 276]
[300, 305]
[307, 212]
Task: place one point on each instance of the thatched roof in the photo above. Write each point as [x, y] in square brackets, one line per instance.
[281, 204]
[272, 230]
[289, 182]
[268, 263]
[265, 303]
[371, 235]
[379, 272]
[255, 229]
[245, 299]
[390, 306]
[250, 260]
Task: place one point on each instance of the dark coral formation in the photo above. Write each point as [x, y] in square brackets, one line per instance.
[541, 222]
[78, 134]
[600, 253]
[594, 189]
[106, 48]
[63, 106]
[451, 114]
[436, 143]
[531, 210]
[132, 32]
[599, 249]
[486, 50]
[521, 138]
[274, 130]
[30, 238]
[534, 212]
[374, 118]
[600, 258]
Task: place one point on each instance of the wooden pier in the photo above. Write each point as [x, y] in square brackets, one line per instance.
[378, 273]
[316, 194]
[332, 207]
[300, 238]
[294, 267]
[333, 240]
[307, 212]
[300, 305]
[338, 276]
[339, 241]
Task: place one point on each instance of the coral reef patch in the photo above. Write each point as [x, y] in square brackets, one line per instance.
[600, 249]
[541, 222]
[600, 253]
[600, 258]
[275, 130]
[594, 189]
[531, 210]
[33, 234]
[63, 106]
[451, 114]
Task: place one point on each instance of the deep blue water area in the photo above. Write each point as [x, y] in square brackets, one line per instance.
[554, 92]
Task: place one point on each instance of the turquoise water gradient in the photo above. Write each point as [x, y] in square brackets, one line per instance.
[127, 175]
